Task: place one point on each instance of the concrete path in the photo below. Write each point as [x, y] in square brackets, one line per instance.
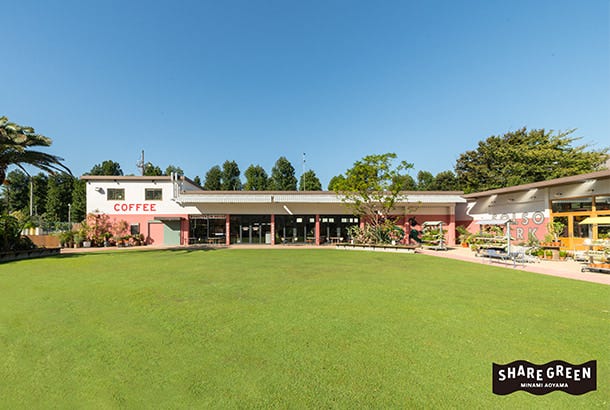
[566, 269]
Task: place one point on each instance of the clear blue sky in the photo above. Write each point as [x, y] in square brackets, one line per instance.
[195, 83]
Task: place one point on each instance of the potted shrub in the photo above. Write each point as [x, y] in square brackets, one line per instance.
[563, 255]
[555, 229]
[548, 254]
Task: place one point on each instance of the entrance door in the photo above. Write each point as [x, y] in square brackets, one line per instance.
[171, 232]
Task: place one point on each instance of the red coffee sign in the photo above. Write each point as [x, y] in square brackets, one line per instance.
[135, 207]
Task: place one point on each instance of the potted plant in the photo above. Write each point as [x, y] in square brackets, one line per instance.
[555, 229]
[563, 255]
[463, 235]
[78, 239]
[548, 254]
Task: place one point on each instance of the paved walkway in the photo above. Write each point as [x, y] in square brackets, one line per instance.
[566, 269]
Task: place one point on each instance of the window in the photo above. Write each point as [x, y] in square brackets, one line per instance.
[572, 205]
[153, 194]
[134, 229]
[115, 194]
[602, 203]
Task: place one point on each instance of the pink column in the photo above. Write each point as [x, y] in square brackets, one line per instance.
[272, 229]
[451, 227]
[317, 229]
[228, 230]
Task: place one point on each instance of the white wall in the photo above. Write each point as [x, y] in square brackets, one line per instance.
[134, 198]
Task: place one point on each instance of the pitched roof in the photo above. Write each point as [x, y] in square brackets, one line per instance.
[542, 184]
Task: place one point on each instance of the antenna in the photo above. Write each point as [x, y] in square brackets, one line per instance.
[303, 173]
[140, 164]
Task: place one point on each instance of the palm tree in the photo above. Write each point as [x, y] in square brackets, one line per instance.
[15, 141]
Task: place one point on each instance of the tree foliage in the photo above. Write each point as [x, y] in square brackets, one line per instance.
[59, 195]
[309, 181]
[445, 181]
[282, 176]
[151, 170]
[230, 176]
[15, 149]
[522, 157]
[256, 178]
[425, 181]
[107, 167]
[17, 191]
[172, 168]
[335, 182]
[372, 186]
[213, 179]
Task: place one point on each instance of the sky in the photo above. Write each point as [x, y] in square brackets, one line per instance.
[196, 83]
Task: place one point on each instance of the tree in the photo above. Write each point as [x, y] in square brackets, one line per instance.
[172, 168]
[212, 179]
[59, 195]
[17, 191]
[256, 178]
[335, 182]
[15, 143]
[107, 167]
[425, 179]
[282, 176]
[407, 183]
[41, 182]
[230, 176]
[372, 187]
[445, 181]
[151, 170]
[197, 180]
[79, 201]
[309, 182]
[522, 157]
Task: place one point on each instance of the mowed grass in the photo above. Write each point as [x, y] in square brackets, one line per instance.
[287, 328]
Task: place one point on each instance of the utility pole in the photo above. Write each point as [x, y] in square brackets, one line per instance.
[303, 174]
[31, 196]
[140, 164]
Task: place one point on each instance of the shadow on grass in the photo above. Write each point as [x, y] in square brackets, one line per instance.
[142, 249]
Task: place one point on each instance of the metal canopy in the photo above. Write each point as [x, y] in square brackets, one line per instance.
[493, 222]
[604, 220]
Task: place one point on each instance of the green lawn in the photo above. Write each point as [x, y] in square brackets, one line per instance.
[287, 329]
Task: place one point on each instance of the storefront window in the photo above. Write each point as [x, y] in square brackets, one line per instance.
[115, 194]
[207, 229]
[602, 203]
[295, 229]
[603, 230]
[572, 205]
[581, 231]
[333, 228]
[251, 229]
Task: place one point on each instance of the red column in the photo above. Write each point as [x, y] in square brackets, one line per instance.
[228, 230]
[272, 229]
[317, 229]
[451, 227]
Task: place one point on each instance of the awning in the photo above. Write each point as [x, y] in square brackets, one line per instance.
[493, 221]
[432, 223]
[600, 220]
[167, 218]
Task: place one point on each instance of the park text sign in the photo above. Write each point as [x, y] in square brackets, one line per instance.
[541, 379]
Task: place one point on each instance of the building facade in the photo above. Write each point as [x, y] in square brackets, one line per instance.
[170, 210]
[532, 207]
